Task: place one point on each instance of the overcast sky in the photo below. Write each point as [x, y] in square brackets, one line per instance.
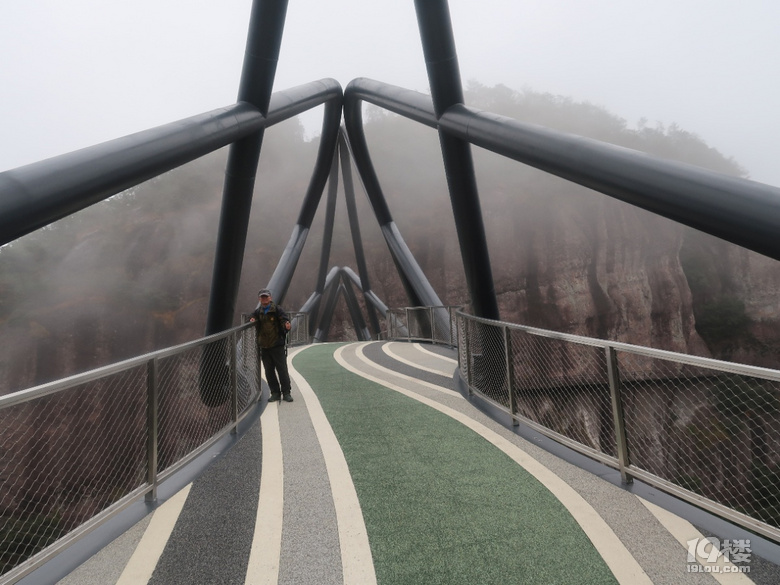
[78, 72]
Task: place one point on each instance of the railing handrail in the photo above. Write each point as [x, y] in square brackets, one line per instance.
[22, 396]
[684, 358]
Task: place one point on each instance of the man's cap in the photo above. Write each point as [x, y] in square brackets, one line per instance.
[264, 292]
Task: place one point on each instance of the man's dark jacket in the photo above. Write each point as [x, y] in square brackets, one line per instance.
[270, 325]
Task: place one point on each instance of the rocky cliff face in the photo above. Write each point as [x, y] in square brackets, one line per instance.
[572, 260]
[736, 299]
[601, 269]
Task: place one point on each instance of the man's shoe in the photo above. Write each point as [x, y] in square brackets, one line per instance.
[288, 398]
[274, 398]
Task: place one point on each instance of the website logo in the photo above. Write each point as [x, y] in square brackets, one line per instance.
[710, 555]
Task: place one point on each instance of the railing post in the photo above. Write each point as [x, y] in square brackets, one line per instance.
[408, 325]
[617, 412]
[510, 375]
[468, 355]
[433, 324]
[258, 373]
[244, 356]
[449, 312]
[232, 353]
[152, 428]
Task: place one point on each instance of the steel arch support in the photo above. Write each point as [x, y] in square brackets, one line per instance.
[354, 224]
[264, 39]
[417, 287]
[370, 296]
[280, 280]
[354, 308]
[328, 306]
[740, 211]
[441, 60]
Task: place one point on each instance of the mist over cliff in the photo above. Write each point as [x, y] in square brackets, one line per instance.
[133, 273]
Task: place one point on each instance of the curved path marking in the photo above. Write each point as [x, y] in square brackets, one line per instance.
[620, 561]
[356, 560]
[390, 350]
[263, 566]
[144, 559]
[390, 372]
[424, 349]
[683, 531]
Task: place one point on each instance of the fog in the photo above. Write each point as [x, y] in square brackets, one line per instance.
[82, 72]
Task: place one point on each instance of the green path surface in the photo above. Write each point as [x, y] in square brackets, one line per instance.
[441, 504]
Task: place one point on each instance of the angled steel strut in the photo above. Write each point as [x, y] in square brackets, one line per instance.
[264, 39]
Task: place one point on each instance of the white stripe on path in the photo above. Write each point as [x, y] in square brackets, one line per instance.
[392, 350]
[436, 387]
[263, 566]
[424, 349]
[147, 554]
[357, 563]
[683, 531]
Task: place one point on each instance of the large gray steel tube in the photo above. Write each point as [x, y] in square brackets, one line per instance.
[285, 268]
[441, 61]
[405, 102]
[312, 306]
[354, 224]
[35, 195]
[744, 212]
[416, 285]
[738, 210]
[264, 39]
[354, 308]
[370, 296]
[330, 296]
[38, 194]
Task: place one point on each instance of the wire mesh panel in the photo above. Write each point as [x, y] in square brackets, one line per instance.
[299, 330]
[714, 433]
[397, 327]
[71, 449]
[487, 361]
[66, 457]
[194, 399]
[436, 324]
[564, 387]
[462, 330]
[419, 323]
[443, 325]
[248, 374]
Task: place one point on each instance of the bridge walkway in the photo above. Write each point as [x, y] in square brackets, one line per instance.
[381, 471]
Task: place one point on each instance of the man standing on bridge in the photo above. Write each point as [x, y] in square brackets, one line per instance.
[272, 327]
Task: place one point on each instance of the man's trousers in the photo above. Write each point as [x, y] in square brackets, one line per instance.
[275, 365]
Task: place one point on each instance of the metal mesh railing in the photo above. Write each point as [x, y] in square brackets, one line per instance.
[76, 451]
[299, 330]
[705, 430]
[564, 387]
[67, 457]
[712, 432]
[435, 324]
